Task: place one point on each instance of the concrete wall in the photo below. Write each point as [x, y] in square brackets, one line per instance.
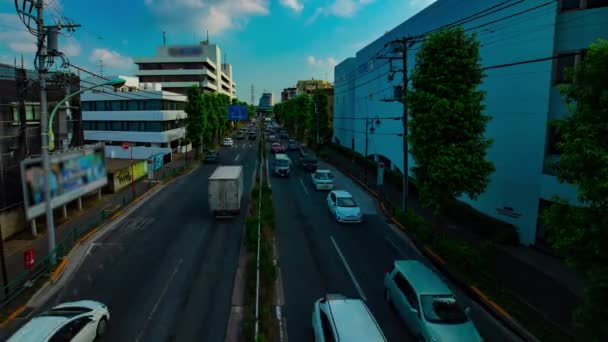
[12, 221]
[520, 99]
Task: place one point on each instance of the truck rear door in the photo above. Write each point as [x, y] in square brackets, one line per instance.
[231, 194]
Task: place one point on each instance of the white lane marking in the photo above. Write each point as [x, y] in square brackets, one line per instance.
[303, 186]
[397, 249]
[350, 272]
[267, 174]
[237, 157]
[158, 300]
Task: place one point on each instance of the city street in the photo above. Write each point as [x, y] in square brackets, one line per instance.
[166, 272]
[319, 256]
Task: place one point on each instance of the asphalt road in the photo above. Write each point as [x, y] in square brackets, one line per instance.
[318, 255]
[167, 271]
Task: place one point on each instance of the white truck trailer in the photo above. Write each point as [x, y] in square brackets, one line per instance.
[226, 191]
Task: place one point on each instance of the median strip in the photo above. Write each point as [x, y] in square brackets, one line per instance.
[59, 270]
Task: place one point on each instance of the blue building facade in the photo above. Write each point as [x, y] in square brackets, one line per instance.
[520, 98]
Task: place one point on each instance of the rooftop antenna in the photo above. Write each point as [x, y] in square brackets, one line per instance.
[207, 37]
[164, 39]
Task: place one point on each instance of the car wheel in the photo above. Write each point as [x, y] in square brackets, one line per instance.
[102, 326]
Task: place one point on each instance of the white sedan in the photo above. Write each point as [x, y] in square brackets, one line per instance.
[344, 207]
[228, 142]
[81, 321]
[322, 179]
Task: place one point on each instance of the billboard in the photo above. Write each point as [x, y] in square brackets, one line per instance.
[237, 112]
[73, 174]
[122, 178]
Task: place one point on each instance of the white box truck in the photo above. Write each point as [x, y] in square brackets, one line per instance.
[226, 191]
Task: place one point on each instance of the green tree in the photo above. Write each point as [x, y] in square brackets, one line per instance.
[581, 233]
[320, 124]
[448, 125]
[196, 120]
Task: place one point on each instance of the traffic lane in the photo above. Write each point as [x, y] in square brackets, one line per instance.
[376, 231]
[150, 265]
[310, 266]
[364, 250]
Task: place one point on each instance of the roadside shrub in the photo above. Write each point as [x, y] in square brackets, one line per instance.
[251, 233]
[323, 154]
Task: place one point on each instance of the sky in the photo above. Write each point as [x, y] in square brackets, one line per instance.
[270, 43]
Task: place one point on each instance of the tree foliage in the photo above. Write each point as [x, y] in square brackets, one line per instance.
[581, 233]
[298, 115]
[207, 117]
[447, 136]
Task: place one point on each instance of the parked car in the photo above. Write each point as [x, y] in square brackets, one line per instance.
[292, 145]
[426, 304]
[309, 162]
[276, 148]
[228, 142]
[344, 207]
[338, 318]
[81, 321]
[211, 156]
[322, 180]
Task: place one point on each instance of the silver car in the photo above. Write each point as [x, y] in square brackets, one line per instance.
[338, 318]
[427, 305]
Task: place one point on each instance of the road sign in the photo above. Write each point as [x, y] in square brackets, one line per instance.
[125, 145]
[28, 259]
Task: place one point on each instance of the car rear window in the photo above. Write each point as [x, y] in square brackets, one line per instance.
[281, 162]
[442, 309]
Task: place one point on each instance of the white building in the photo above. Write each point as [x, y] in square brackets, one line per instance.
[178, 67]
[153, 121]
[521, 98]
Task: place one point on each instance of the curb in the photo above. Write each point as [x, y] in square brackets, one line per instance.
[59, 270]
[12, 316]
[477, 295]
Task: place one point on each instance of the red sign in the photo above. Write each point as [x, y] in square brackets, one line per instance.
[28, 259]
[126, 145]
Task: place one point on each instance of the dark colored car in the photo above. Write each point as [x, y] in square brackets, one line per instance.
[240, 136]
[309, 162]
[293, 145]
[252, 136]
[211, 156]
[284, 135]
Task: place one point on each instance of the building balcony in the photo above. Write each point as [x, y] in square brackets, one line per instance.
[136, 136]
[134, 115]
[177, 72]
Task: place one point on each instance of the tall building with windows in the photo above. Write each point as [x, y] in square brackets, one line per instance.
[521, 98]
[288, 93]
[266, 101]
[153, 121]
[178, 67]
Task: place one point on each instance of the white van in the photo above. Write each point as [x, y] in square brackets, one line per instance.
[282, 165]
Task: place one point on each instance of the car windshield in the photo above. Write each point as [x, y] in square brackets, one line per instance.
[442, 309]
[281, 162]
[346, 202]
[322, 175]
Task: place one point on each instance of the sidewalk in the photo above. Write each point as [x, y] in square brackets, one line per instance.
[79, 222]
[539, 280]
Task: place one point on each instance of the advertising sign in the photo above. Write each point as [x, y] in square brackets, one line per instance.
[28, 259]
[122, 178]
[157, 161]
[73, 174]
[237, 112]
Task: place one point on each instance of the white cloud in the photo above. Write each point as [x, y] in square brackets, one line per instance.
[110, 59]
[214, 15]
[339, 8]
[295, 5]
[70, 48]
[420, 4]
[14, 34]
[125, 42]
[327, 62]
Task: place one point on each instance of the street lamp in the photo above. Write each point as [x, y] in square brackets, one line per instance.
[46, 163]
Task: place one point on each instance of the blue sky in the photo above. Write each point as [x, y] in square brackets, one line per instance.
[270, 43]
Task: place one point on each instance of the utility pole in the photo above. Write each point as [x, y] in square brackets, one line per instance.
[44, 132]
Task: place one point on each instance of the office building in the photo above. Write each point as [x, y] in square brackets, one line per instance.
[288, 93]
[20, 132]
[520, 98]
[266, 101]
[309, 86]
[178, 67]
[152, 121]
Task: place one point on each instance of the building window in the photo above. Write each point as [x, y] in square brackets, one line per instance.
[553, 140]
[567, 5]
[564, 61]
[597, 3]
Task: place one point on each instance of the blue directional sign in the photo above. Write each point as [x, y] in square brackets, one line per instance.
[237, 112]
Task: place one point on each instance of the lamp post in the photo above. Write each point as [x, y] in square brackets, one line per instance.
[370, 126]
[46, 164]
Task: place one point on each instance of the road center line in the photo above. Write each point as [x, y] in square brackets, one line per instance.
[303, 186]
[350, 272]
[237, 157]
[158, 300]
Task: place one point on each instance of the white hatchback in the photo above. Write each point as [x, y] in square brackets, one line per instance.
[81, 321]
[344, 207]
[322, 179]
[228, 142]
